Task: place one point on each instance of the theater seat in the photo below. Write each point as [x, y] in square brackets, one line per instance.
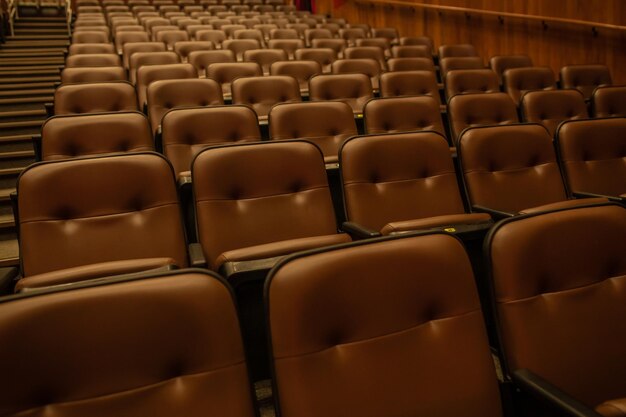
[550, 108]
[471, 81]
[226, 73]
[409, 83]
[585, 78]
[411, 64]
[265, 57]
[459, 63]
[501, 63]
[389, 328]
[152, 344]
[88, 214]
[324, 56]
[558, 280]
[353, 89]
[64, 137]
[261, 93]
[186, 131]
[202, 59]
[302, 71]
[457, 51]
[327, 124]
[94, 98]
[609, 101]
[273, 201]
[512, 169]
[150, 73]
[93, 60]
[91, 75]
[91, 48]
[395, 183]
[139, 59]
[592, 156]
[518, 81]
[132, 47]
[403, 114]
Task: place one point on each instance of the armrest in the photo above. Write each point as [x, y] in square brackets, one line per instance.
[49, 109]
[8, 276]
[158, 140]
[579, 194]
[196, 256]
[494, 213]
[357, 231]
[545, 391]
[37, 147]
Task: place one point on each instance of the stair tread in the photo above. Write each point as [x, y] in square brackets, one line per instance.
[5, 193]
[15, 138]
[27, 92]
[19, 113]
[27, 69]
[26, 86]
[10, 171]
[26, 123]
[44, 99]
[17, 154]
[17, 81]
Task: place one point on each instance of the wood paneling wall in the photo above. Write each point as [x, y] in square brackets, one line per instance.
[553, 45]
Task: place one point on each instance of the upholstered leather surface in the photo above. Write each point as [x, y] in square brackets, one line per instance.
[202, 59]
[593, 153]
[518, 81]
[609, 102]
[239, 46]
[450, 220]
[225, 73]
[94, 98]
[337, 45]
[100, 74]
[187, 131]
[409, 83]
[155, 347]
[460, 50]
[86, 272]
[367, 66]
[261, 93]
[585, 78]
[550, 108]
[411, 51]
[93, 60]
[265, 57]
[164, 95]
[501, 63]
[410, 64]
[471, 110]
[366, 52]
[270, 250]
[150, 73]
[564, 205]
[184, 48]
[138, 59]
[374, 330]
[613, 408]
[459, 63]
[353, 89]
[403, 114]
[64, 137]
[90, 37]
[83, 211]
[471, 81]
[560, 285]
[251, 195]
[327, 124]
[300, 70]
[390, 178]
[510, 168]
[134, 47]
[324, 56]
[91, 48]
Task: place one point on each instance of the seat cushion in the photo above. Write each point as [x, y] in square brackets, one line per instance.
[564, 205]
[284, 247]
[436, 221]
[613, 408]
[92, 271]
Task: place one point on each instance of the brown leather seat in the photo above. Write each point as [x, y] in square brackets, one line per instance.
[132, 47]
[192, 30]
[202, 59]
[324, 56]
[592, 156]
[367, 66]
[403, 114]
[501, 63]
[411, 64]
[391, 34]
[254, 34]
[213, 35]
[512, 169]
[302, 71]
[327, 124]
[332, 27]
[91, 48]
[401, 182]
[184, 48]
[230, 30]
[116, 347]
[290, 46]
[426, 341]
[90, 37]
[170, 37]
[93, 60]
[549, 108]
[366, 52]
[94, 98]
[265, 57]
[411, 51]
[226, 73]
[164, 95]
[261, 93]
[457, 51]
[353, 89]
[585, 78]
[139, 59]
[284, 34]
[558, 281]
[471, 81]
[351, 34]
[155, 21]
[185, 132]
[123, 38]
[471, 110]
[317, 33]
[92, 74]
[336, 44]
[128, 27]
[609, 101]
[274, 201]
[92, 217]
[517, 81]
[409, 83]
[65, 137]
[239, 46]
[417, 40]
[459, 63]
[150, 73]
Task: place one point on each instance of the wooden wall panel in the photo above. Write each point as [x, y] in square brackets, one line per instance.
[553, 45]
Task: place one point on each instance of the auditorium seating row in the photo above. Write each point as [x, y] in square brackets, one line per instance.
[112, 6]
[389, 326]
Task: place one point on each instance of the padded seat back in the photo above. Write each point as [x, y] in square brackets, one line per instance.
[559, 281]
[411, 51]
[336, 44]
[410, 64]
[272, 192]
[91, 48]
[226, 73]
[353, 89]
[93, 60]
[239, 46]
[89, 210]
[131, 47]
[395, 177]
[123, 38]
[93, 36]
[65, 137]
[184, 48]
[261, 93]
[549, 108]
[471, 81]
[403, 114]
[517, 81]
[150, 73]
[91, 75]
[302, 71]
[391, 34]
[457, 51]
[139, 59]
[288, 45]
[265, 57]
[459, 63]
[427, 340]
[585, 78]
[94, 98]
[202, 59]
[609, 101]
[324, 56]
[86, 357]
[501, 63]
[510, 168]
